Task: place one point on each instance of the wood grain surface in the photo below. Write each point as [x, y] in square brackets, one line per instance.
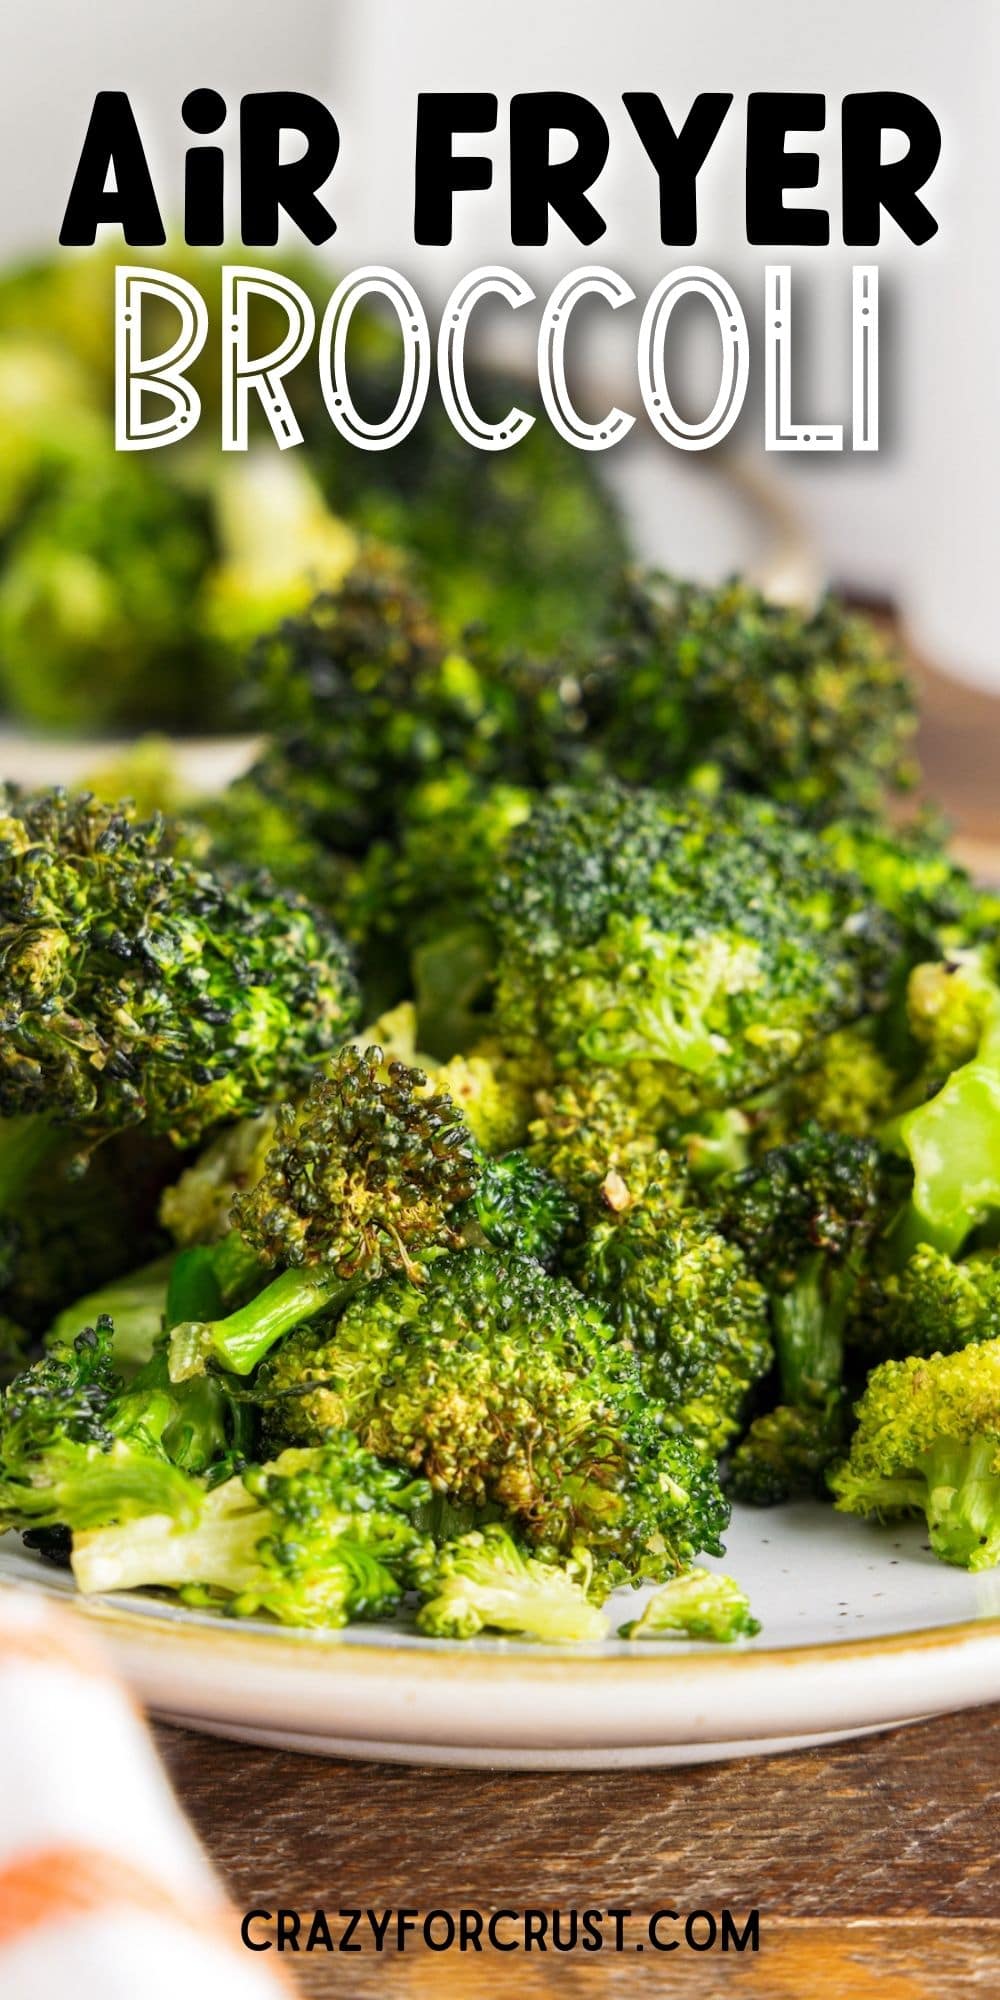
[874, 1865]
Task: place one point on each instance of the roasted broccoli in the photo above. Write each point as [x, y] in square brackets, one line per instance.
[720, 687]
[928, 1442]
[953, 1139]
[78, 1446]
[518, 1206]
[805, 1217]
[701, 1605]
[700, 952]
[484, 1581]
[315, 1538]
[364, 1176]
[502, 1385]
[138, 989]
[685, 1301]
[931, 1306]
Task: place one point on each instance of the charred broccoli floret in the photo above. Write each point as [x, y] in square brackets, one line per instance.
[502, 1385]
[928, 1442]
[137, 989]
[484, 1581]
[805, 1216]
[809, 708]
[700, 1605]
[363, 1176]
[699, 952]
[685, 1301]
[315, 1538]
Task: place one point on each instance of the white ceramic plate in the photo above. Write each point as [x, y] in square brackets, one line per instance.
[862, 1630]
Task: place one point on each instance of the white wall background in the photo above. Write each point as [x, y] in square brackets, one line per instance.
[920, 519]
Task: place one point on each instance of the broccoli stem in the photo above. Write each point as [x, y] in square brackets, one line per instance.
[809, 1324]
[953, 1141]
[217, 1550]
[245, 1336]
[963, 1501]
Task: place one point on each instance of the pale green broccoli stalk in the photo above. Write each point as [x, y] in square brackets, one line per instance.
[701, 1605]
[485, 1582]
[928, 1442]
[953, 1140]
[316, 1538]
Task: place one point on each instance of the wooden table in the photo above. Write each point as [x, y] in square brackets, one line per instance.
[874, 1864]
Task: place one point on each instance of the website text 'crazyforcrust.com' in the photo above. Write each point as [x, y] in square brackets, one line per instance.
[503, 1930]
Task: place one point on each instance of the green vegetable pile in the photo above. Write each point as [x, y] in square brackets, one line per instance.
[554, 1093]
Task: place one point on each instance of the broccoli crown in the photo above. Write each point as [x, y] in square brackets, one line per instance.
[948, 1007]
[824, 1193]
[809, 708]
[518, 1206]
[848, 1086]
[786, 1451]
[928, 1441]
[484, 1581]
[314, 1538]
[684, 1299]
[911, 875]
[76, 1449]
[368, 698]
[503, 1385]
[138, 989]
[594, 1139]
[365, 1172]
[701, 1605]
[931, 1306]
[700, 949]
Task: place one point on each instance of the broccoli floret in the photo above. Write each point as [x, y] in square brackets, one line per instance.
[805, 1216]
[504, 1386]
[135, 1304]
[787, 1450]
[246, 829]
[78, 1448]
[911, 875]
[315, 1538]
[484, 1581]
[685, 1301]
[701, 1605]
[518, 1206]
[849, 1086]
[809, 708]
[364, 1176]
[97, 598]
[137, 989]
[197, 1208]
[699, 952]
[931, 1306]
[928, 1442]
[532, 545]
[600, 1144]
[277, 545]
[368, 697]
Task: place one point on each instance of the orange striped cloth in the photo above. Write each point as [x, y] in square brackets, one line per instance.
[105, 1893]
